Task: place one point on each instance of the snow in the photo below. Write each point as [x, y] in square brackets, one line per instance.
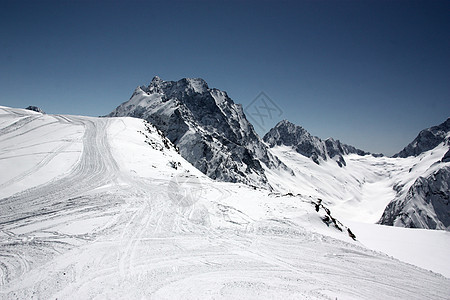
[358, 194]
[427, 249]
[36, 150]
[112, 222]
[126, 138]
[359, 191]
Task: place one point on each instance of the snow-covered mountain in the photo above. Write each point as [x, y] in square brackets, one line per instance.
[424, 205]
[213, 134]
[107, 208]
[427, 139]
[289, 134]
[423, 200]
[210, 130]
[406, 192]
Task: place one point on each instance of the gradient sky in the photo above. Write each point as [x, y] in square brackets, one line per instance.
[370, 73]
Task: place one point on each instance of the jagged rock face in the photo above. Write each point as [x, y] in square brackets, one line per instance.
[427, 140]
[36, 109]
[426, 204]
[446, 157]
[289, 134]
[210, 130]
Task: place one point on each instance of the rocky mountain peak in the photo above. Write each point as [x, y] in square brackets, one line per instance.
[156, 79]
[427, 139]
[210, 130]
[187, 85]
[289, 134]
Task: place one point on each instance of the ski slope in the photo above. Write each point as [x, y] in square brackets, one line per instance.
[425, 248]
[107, 208]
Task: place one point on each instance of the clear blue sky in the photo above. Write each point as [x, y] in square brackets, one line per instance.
[371, 73]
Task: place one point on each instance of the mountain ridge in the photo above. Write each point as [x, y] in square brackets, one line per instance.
[211, 131]
[427, 139]
[425, 202]
[288, 134]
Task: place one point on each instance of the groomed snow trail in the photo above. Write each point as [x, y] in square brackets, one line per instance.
[103, 230]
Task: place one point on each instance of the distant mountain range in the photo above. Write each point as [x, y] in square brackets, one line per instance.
[289, 134]
[213, 134]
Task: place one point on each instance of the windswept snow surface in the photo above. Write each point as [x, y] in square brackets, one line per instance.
[421, 247]
[358, 193]
[35, 148]
[123, 215]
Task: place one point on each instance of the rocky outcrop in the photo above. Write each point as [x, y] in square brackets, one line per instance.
[36, 109]
[210, 130]
[289, 134]
[426, 204]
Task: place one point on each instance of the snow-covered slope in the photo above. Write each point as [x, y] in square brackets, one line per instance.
[359, 191]
[127, 217]
[36, 148]
[422, 193]
[210, 130]
[406, 192]
[421, 247]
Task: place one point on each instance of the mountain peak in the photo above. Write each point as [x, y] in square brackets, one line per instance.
[210, 130]
[285, 123]
[291, 127]
[197, 84]
[427, 139]
[289, 134]
[156, 79]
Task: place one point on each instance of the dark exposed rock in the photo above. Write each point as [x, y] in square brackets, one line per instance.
[446, 157]
[36, 109]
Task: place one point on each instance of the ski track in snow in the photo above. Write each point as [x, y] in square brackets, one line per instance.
[98, 231]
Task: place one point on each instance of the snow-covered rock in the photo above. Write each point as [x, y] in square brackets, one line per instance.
[427, 139]
[423, 200]
[404, 192]
[210, 130]
[289, 134]
[35, 108]
[426, 204]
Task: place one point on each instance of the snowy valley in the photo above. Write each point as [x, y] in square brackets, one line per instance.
[191, 203]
